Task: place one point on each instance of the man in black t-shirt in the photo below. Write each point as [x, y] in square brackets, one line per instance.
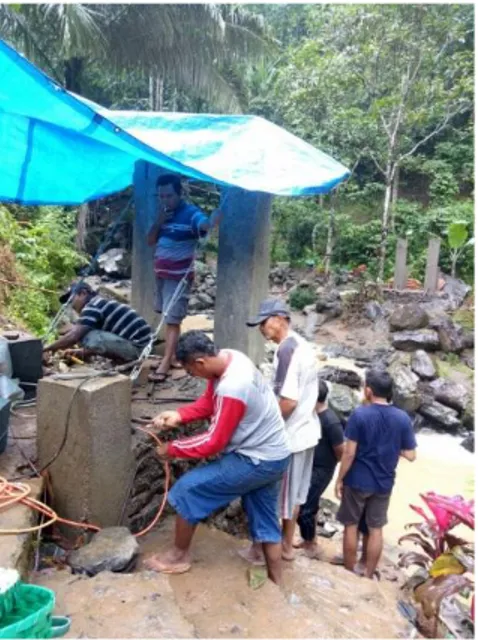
[326, 455]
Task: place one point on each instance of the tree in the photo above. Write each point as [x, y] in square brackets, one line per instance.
[380, 82]
[457, 241]
[185, 45]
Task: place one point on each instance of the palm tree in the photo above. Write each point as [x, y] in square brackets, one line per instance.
[185, 45]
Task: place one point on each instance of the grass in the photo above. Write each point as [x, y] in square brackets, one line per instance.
[451, 364]
[466, 318]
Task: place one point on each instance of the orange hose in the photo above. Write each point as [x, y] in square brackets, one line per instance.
[16, 492]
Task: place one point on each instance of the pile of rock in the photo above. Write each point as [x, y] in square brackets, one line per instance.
[203, 293]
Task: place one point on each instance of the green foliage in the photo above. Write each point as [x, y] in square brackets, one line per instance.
[457, 234]
[44, 258]
[301, 297]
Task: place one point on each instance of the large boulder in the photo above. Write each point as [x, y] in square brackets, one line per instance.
[329, 303]
[451, 394]
[115, 263]
[408, 317]
[451, 336]
[406, 394]
[112, 549]
[439, 415]
[422, 339]
[346, 377]
[456, 291]
[422, 365]
[342, 400]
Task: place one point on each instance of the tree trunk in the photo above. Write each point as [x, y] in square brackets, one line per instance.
[159, 93]
[385, 222]
[73, 71]
[396, 180]
[330, 241]
[82, 227]
[454, 260]
[151, 92]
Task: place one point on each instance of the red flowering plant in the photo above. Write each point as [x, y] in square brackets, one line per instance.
[446, 565]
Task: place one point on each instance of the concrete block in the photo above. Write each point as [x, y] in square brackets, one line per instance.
[91, 476]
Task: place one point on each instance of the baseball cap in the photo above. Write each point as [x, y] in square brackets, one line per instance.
[268, 309]
[75, 287]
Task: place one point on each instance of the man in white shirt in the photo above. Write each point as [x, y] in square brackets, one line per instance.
[296, 388]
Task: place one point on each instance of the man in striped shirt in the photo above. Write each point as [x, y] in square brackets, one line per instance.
[105, 327]
[247, 430]
[175, 235]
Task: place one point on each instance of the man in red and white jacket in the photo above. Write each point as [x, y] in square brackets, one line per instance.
[246, 427]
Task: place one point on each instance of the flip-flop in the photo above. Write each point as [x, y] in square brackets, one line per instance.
[337, 560]
[158, 377]
[176, 365]
[161, 567]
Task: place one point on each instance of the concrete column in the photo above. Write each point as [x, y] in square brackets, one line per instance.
[242, 270]
[146, 212]
[401, 274]
[92, 474]
[431, 274]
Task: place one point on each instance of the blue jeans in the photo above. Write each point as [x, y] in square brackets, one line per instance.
[203, 490]
[109, 344]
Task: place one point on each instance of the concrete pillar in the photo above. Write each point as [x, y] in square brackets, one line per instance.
[92, 474]
[146, 212]
[242, 270]
[431, 274]
[401, 273]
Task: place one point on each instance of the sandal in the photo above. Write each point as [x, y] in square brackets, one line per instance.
[158, 377]
[154, 564]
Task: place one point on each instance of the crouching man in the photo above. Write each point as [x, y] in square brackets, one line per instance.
[104, 327]
[246, 427]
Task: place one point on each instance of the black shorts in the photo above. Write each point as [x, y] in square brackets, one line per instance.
[355, 503]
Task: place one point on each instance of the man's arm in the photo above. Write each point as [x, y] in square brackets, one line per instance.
[69, 339]
[409, 454]
[229, 412]
[339, 451]
[210, 223]
[408, 442]
[350, 449]
[287, 406]
[153, 233]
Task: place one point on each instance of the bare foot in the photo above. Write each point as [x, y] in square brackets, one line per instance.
[170, 562]
[288, 554]
[251, 556]
[298, 543]
[312, 550]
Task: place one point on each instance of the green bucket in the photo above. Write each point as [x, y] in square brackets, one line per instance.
[27, 614]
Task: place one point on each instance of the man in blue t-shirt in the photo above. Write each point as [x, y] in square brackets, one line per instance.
[377, 434]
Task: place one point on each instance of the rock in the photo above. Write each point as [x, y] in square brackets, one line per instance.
[206, 300]
[469, 443]
[451, 394]
[406, 395]
[195, 304]
[373, 311]
[112, 549]
[440, 415]
[115, 262]
[330, 304]
[456, 291]
[418, 423]
[422, 365]
[468, 357]
[342, 400]
[408, 317]
[346, 377]
[426, 339]
[451, 336]
[468, 340]
[468, 418]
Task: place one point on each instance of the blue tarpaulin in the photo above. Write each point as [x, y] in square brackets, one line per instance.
[58, 148]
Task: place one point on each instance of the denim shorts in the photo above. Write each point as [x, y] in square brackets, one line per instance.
[109, 344]
[203, 490]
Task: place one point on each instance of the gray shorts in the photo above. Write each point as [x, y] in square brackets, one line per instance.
[355, 504]
[296, 482]
[165, 289]
[109, 344]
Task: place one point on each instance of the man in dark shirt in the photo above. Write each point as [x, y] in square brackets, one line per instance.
[377, 434]
[326, 455]
[104, 327]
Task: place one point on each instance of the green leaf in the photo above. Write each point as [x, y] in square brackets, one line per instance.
[257, 577]
[457, 234]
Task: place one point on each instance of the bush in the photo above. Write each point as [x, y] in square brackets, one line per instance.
[301, 297]
[44, 257]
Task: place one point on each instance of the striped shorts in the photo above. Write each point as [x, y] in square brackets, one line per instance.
[296, 482]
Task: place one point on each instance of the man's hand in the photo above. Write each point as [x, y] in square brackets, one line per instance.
[166, 420]
[339, 489]
[215, 218]
[162, 450]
